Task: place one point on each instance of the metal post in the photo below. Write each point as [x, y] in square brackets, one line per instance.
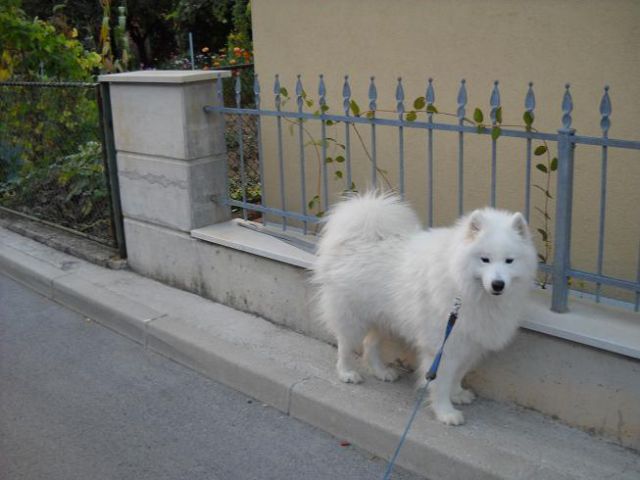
[111, 173]
[193, 62]
[564, 201]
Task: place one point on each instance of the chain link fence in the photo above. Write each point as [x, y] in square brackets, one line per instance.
[52, 162]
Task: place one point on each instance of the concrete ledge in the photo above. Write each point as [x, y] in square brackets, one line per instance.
[295, 373]
[233, 235]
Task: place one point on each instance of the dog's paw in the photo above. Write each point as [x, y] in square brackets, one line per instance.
[450, 416]
[463, 397]
[349, 376]
[387, 374]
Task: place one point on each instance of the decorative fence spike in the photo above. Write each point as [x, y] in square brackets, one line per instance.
[346, 95]
[373, 95]
[430, 95]
[400, 97]
[238, 89]
[276, 91]
[567, 108]
[605, 111]
[322, 92]
[462, 100]
[299, 92]
[530, 101]
[494, 101]
[256, 90]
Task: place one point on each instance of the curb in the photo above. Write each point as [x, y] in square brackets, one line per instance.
[295, 374]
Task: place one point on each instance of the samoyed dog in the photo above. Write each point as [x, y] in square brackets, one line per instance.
[380, 274]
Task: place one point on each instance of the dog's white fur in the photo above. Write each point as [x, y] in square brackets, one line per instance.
[380, 274]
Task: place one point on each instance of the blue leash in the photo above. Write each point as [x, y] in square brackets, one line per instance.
[431, 375]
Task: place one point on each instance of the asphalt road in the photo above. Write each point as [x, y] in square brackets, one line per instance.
[78, 401]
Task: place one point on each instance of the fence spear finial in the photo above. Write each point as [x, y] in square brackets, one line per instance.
[605, 112]
[462, 100]
[346, 95]
[494, 101]
[567, 108]
[373, 95]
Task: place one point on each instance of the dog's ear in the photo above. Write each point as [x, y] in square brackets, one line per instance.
[519, 224]
[474, 224]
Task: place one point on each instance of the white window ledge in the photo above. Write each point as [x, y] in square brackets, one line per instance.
[604, 327]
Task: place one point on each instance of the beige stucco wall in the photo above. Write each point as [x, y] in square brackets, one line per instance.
[587, 43]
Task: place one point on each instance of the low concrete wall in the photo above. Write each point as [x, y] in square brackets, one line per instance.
[582, 386]
[171, 166]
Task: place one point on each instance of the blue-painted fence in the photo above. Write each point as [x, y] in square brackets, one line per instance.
[565, 139]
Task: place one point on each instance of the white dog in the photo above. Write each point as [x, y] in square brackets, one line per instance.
[380, 274]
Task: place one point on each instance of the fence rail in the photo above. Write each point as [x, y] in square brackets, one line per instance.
[565, 139]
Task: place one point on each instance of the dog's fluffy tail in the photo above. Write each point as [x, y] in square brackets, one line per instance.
[370, 216]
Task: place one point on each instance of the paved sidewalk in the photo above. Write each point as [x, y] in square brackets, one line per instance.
[78, 401]
[296, 375]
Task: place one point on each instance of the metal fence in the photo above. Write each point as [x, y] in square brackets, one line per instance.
[54, 164]
[565, 139]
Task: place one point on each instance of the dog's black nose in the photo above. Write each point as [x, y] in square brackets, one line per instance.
[497, 285]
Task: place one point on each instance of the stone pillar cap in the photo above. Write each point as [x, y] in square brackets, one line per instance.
[164, 76]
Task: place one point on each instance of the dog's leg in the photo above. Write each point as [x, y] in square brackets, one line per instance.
[459, 394]
[441, 388]
[346, 366]
[462, 396]
[372, 355]
[349, 333]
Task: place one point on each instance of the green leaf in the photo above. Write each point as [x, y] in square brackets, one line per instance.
[355, 109]
[480, 128]
[411, 116]
[338, 173]
[328, 160]
[339, 159]
[542, 167]
[328, 123]
[499, 115]
[370, 114]
[478, 116]
[543, 234]
[419, 103]
[324, 108]
[541, 150]
[528, 119]
[309, 103]
[431, 108]
[320, 214]
[554, 164]
[313, 201]
[495, 133]
[284, 92]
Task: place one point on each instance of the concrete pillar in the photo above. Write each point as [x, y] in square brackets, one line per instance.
[171, 155]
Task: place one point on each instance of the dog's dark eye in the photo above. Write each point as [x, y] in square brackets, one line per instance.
[485, 260]
[509, 260]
